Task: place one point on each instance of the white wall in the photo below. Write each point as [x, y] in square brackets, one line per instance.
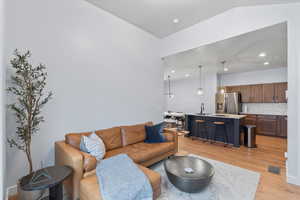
[103, 71]
[2, 130]
[186, 99]
[254, 77]
[242, 20]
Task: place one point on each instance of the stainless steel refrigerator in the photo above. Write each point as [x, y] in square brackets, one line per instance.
[228, 103]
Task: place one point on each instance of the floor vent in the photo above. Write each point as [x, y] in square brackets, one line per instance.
[274, 169]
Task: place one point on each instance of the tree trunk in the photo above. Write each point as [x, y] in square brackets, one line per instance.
[28, 155]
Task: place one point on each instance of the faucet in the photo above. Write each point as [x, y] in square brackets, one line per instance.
[202, 109]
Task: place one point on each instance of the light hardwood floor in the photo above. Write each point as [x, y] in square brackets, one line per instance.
[270, 151]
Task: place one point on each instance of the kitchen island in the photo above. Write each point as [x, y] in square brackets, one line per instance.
[232, 122]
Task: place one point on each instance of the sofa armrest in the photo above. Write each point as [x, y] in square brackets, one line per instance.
[172, 136]
[89, 162]
[65, 154]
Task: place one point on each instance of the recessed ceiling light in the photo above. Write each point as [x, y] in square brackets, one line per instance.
[175, 21]
[262, 54]
[173, 71]
[266, 63]
[225, 69]
[187, 75]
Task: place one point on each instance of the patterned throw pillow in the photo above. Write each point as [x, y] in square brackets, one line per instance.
[93, 145]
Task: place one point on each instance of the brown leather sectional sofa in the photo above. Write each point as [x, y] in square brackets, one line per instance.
[124, 139]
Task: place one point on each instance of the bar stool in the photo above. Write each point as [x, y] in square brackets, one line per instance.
[225, 135]
[202, 130]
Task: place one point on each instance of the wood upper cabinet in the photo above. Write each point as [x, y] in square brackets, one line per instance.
[266, 125]
[280, 92]
[228, 89]
[261, 93]
[268, 93]
[246, 93]
[233, 89]
[256, 93]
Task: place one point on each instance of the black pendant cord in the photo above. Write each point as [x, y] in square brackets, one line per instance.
[169, 86]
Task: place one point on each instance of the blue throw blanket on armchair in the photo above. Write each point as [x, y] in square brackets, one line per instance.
[120, 179]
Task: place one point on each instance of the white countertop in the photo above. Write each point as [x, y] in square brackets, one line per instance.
[264, 113]
[220, 115]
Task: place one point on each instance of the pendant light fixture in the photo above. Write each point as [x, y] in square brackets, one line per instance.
[169, 93]
[222, 91]
[200, 89]
[224, 66]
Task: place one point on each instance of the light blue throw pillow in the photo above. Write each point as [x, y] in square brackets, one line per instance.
[93, 145]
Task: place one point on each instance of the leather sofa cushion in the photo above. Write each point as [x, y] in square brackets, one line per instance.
[111, 137]
[89, 186]
[73, 139]
[134, 134]
[141, 152]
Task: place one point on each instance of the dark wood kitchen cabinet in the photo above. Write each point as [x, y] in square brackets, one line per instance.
[282, 126]
[266, 125]
[270, 125]
[245, 93]
[233, 89]
[268, 93]
[256, 93]
[229, 89]
[261, 93]
[274, 93]
[250, 120]
[280, 92]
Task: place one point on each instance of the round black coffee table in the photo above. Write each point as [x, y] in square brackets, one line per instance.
[50, 177]
[189, 174]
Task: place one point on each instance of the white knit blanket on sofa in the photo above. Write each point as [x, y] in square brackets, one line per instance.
[120, 179]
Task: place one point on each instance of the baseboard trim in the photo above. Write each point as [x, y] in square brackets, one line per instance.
[293, 180]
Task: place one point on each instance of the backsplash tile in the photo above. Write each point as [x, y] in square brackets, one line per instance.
[265, 108]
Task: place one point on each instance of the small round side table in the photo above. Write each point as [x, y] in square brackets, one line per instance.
[49, 177]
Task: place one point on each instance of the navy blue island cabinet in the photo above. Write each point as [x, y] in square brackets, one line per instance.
[232, 123]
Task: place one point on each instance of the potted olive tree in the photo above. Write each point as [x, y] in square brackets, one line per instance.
[28, 86]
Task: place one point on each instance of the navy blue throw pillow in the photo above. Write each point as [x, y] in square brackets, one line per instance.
[154, 134]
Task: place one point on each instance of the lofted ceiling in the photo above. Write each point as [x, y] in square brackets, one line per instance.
[156, 16]
[241, 53]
